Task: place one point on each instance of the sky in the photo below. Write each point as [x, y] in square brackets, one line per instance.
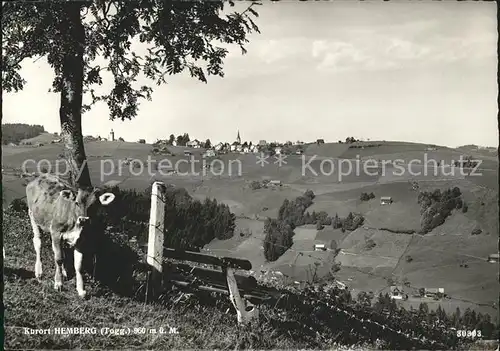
[408, 71]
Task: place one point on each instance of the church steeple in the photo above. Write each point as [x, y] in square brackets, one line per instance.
[238, 139]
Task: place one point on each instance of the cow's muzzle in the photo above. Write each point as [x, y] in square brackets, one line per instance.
[81, 221]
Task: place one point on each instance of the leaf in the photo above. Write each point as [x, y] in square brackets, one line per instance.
[253, 12]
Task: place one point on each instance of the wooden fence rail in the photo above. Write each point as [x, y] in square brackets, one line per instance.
[225, 281]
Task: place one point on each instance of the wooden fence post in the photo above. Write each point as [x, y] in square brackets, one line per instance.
[245, 311]
[155, 239]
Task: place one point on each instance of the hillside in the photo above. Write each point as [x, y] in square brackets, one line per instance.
[435, 263]
[294, 322]
[16, 132]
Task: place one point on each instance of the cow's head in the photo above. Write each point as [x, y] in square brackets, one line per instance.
[75, 209]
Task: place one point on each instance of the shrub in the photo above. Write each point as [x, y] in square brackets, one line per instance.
[436, 206]
[278, 238]
[294, 211]
[408, 258]
[476, 231]
[465, 207]
[364, 197]
[337, 222]
[333, 245]
[370, 244]
[18, 206]
[255, 185]
[353, 222]
[319, 226]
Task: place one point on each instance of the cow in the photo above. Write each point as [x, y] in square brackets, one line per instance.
[56, 207]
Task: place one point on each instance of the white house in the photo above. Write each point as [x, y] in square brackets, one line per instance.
[385, 200]
[193, 143]
[209, 153]
[277, 150]
[319, 247]
[219, 146]
[233, 147]
[432, 292]
[397, 292]
[246, 149]
[493, 258]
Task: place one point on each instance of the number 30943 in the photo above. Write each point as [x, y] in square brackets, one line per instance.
[469, 333]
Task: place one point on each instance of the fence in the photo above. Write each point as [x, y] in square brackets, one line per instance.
[224, 281]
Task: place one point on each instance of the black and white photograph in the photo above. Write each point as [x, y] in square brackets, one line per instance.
[250, 175]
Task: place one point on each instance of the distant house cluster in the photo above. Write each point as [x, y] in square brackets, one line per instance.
[237, 146]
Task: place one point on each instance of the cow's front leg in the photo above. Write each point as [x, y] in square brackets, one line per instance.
[58, 258]
[37, 243]
[78, 272]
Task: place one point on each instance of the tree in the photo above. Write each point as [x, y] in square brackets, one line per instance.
[171, 139]
[75, 35]
[208, 144]
[336, 223]
[179, 140]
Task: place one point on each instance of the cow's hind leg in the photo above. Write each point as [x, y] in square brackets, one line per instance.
[37, 243]
[78, 273]
[58, 258]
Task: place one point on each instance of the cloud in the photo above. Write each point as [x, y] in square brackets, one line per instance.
[319, 47]
[379, 51]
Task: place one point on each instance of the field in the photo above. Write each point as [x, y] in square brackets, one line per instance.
[436, 257]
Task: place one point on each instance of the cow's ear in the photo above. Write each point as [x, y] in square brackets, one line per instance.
[67, 195]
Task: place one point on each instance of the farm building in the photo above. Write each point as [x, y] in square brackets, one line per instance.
[397, 292]
[432, 292]
[193, 143]
[209, 153]
[187, 153]
[262, 143]
[275, 182]
[340, 284]
[319, 247]
[219, 147]
[277, 151]
[494, 258]
[320, 141]
[385, 200]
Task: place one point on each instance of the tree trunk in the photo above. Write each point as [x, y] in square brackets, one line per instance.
[70, 112]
